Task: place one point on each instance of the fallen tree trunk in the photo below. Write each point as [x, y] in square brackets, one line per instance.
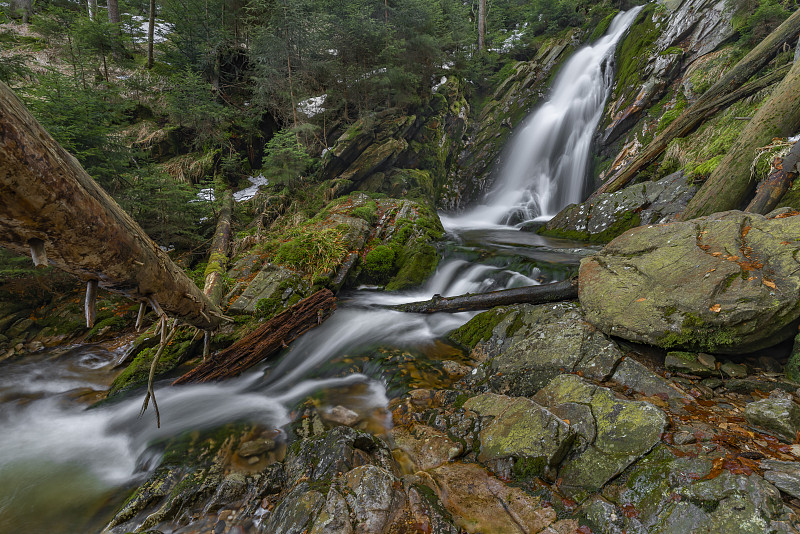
[771, 190]
[730, 183]
[46, 196]
[566, 290]
[267, 340]
[218, 254]
[731, 87]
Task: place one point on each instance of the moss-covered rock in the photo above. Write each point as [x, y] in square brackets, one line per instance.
[725, 283]
[616, 432]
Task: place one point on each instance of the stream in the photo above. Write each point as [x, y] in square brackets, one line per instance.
[66, 469]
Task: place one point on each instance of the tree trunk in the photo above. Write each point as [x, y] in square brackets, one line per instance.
[113, 12]
[218, 255]
[45, 194]
[266, 341]
[22, 8]
[779, 181]
[151, 33]
[566, 290]
[730, 184]
[481, 24]
[92, 9]
[718, 96]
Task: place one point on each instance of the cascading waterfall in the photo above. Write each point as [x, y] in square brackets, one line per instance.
[546, 162]
[50, 446]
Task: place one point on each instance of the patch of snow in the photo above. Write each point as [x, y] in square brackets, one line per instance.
[794, 139]
[250, 192]
[160, 30]
[312, 106]
[167, 249]
[325, 151]
[441, 83]
[205, 195]
[448, 65]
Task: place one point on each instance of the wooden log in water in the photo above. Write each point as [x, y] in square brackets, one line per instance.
[266, 341]
[566, 290]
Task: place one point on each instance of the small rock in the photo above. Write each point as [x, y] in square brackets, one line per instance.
[455, 370]
[712, 383]
[733, 370]
[255, 447]
[420, 397]
[19, 347]
[683, 438]
[342, 416]
[777, 416]
[686, 362]
[708, 360]
[253, 460]
[770, 365]
[785, 476]
[33, 346]
[780, 394]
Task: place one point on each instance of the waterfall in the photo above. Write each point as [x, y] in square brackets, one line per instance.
[546, 162]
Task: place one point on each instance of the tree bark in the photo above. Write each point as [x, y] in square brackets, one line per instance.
[92, 9]
[481, 24]
[218, 255]
[266, 341]
[733, 83]
[45, 194]
[566, 290]
[771, 190]
[730, 183]
[151, 25]
[22, 8]
[113, 12]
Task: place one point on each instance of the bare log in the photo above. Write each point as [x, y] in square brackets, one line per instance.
[731, 87]
[140, 315]
[45, 194]
[267, 340]
[771, 190]
[90, 304]
[218, 254]
[730, 183]
[566, 290]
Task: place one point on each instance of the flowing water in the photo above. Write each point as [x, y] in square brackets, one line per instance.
[65, 469]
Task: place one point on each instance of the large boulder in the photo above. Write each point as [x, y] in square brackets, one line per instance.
[725, 283]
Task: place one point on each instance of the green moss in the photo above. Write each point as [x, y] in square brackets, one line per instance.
[479, 328]
[627, 221]
[704, 170]
[417, 265]
[697, 334]
[528, 468]
[379, 262]
[634, 52]
[670, 115]
[602, 26]
[136, 374]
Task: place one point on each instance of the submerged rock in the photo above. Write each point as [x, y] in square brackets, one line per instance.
[724, 283]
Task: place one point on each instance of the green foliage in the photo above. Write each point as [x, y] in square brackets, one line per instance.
[191, 102]
[755, 19]
[285, 157]
[379, 262]
[312, 250]
[368, 212]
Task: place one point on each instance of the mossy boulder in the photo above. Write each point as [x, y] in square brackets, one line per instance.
[612, 214]
[615, 432]
[521, 433]
[269, 291]
[530, 345]
[725, 283]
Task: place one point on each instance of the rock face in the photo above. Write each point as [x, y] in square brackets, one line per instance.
[614, 432]
[611, 214]
[725, 283]
[775, 415]
[533, 344]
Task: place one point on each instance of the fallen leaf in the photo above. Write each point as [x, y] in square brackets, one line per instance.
[641, 299]
[711, 270]
[733, 258]
[716, 308]
[716, 254]
[769, 284]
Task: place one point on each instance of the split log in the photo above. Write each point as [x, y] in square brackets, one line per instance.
[45, 194]
[218, 254]
[728, 89]
[771, 190]
[730, 183]
[266, 341]
[566, 290]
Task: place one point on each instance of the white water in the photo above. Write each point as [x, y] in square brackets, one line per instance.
[546, 161]
[49, 443]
